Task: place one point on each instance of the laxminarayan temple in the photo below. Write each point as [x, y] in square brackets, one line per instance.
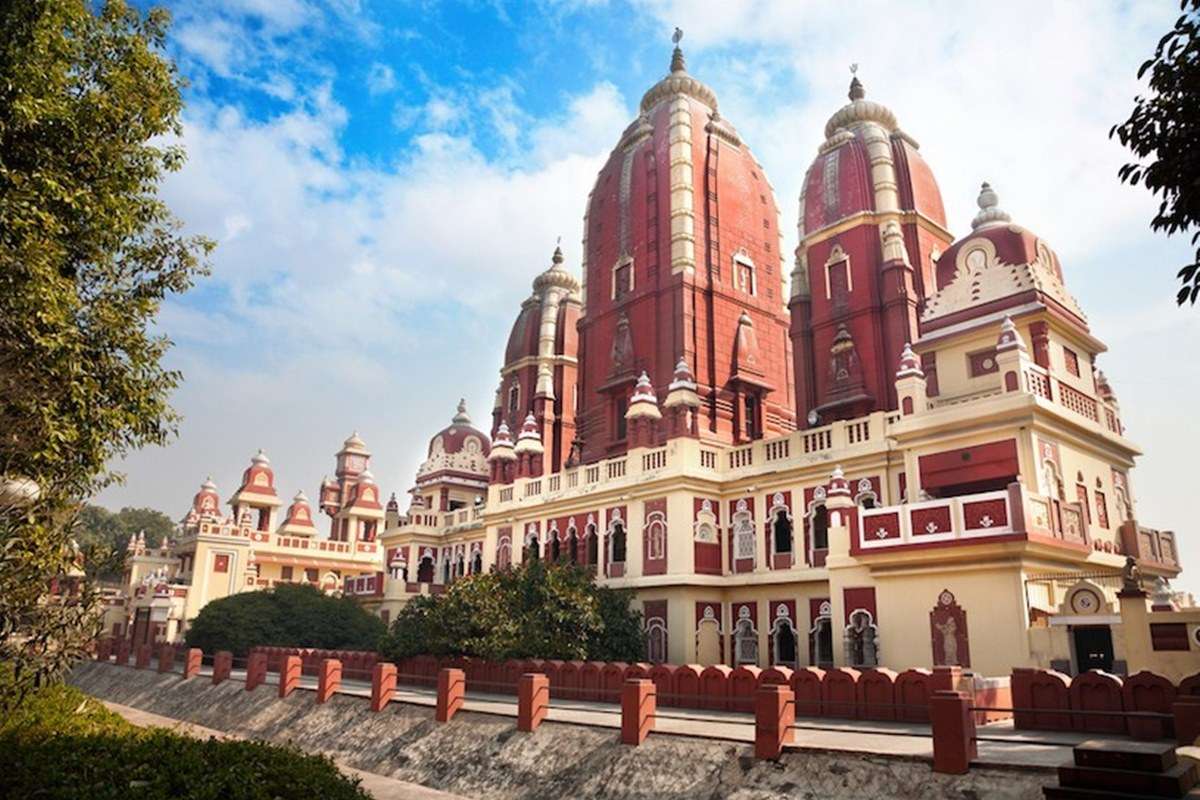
[905, 455]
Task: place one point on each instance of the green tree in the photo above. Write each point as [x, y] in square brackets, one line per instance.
[1164, 134]
[290, 615]
[534, 610]
[103, 536]
[89, 113]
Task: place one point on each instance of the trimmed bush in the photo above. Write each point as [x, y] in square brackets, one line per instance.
[535, 610]
[290, 615]
[60, 743]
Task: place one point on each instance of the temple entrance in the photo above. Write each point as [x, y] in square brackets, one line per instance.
[1093, 647]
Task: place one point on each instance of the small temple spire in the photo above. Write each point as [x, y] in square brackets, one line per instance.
[990, 212]
[677, 63]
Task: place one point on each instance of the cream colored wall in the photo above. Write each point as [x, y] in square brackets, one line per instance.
[953, 364]
[992, 597]
[1058, 360]
[1092, 465]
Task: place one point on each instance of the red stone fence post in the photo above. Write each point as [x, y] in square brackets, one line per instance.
[954, 745]
[774, 716]
[451, 693]
[533, 699]
[191, 664]
[143, 657]
[222, 666]
[1186, 710]
[639, 701]
[289, 674]
[123, 651]
[166, 658]
[256, 670]
[383, 685]
[329, 679]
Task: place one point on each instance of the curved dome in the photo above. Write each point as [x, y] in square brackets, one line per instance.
[460, 435]
[997, 265]
[840, 181]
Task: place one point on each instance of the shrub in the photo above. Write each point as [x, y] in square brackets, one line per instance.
[290, 615]
[534, 610]
[60, 743]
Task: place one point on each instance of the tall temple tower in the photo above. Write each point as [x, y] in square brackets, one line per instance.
[871, 227]
[539, 373]
[682, 262]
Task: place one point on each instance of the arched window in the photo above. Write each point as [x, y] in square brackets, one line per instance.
[656, 537]
[572, 547]
[555, 548]
[504, 553]
[593, 545]
[477, 562]
[784, 640]
[743, 532]
[425, 570]
[656, 641]
[820, 642]
[618, 542]
[862, 640]
[745, 640]
[446, 571]
[461, 566]
[820, 527]
[514, 398]
[783, 532]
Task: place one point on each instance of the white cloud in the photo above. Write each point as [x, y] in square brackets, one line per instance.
[381, 79]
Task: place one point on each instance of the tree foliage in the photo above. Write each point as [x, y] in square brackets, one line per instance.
[289, 615]
[1164, 134]
[534, 610]
[103, 536]
[89, 107]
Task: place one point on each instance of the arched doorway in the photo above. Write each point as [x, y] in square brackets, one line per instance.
[425, 570]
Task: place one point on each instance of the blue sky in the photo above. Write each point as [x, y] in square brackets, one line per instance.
[385, 178]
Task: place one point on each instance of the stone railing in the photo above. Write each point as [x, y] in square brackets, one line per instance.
[975, 516]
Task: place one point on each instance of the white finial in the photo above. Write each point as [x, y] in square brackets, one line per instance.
[260, 458]
[462, 417]
[990, 212]
[837, 473]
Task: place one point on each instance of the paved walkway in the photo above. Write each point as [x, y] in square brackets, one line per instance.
[1045, 749]
[378, 786]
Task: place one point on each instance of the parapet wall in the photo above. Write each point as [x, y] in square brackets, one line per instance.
[481, 755]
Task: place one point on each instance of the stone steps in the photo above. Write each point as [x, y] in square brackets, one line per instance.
[1125, 771]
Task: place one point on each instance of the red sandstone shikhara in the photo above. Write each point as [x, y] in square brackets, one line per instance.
[906, 458]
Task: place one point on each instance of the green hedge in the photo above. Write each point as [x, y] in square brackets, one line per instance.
[289, 615]
[60, 743]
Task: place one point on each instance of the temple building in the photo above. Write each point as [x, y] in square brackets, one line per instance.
[253, 546]
[905, 455]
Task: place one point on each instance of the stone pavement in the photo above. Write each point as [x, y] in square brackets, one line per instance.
[378, 786]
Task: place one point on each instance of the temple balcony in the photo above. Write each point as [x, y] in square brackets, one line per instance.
[356, 550]
[1012, 514]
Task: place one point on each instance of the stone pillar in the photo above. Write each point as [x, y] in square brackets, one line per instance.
[142, 660]
[329, 679]
[639, 700]
[1135, 623]
[774, 716]
[256, 670]
[1187, 719]
[191, 665]
[451, 692]
[166, 658]
[383, 685]
[953, 726]
[122, 651]
[289, 675]
[945, 679]
[533, 700]
[222, 666]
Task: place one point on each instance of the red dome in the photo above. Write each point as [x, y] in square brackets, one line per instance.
[998, 265]
[523, 340]
[839, 183]
[458, 434]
